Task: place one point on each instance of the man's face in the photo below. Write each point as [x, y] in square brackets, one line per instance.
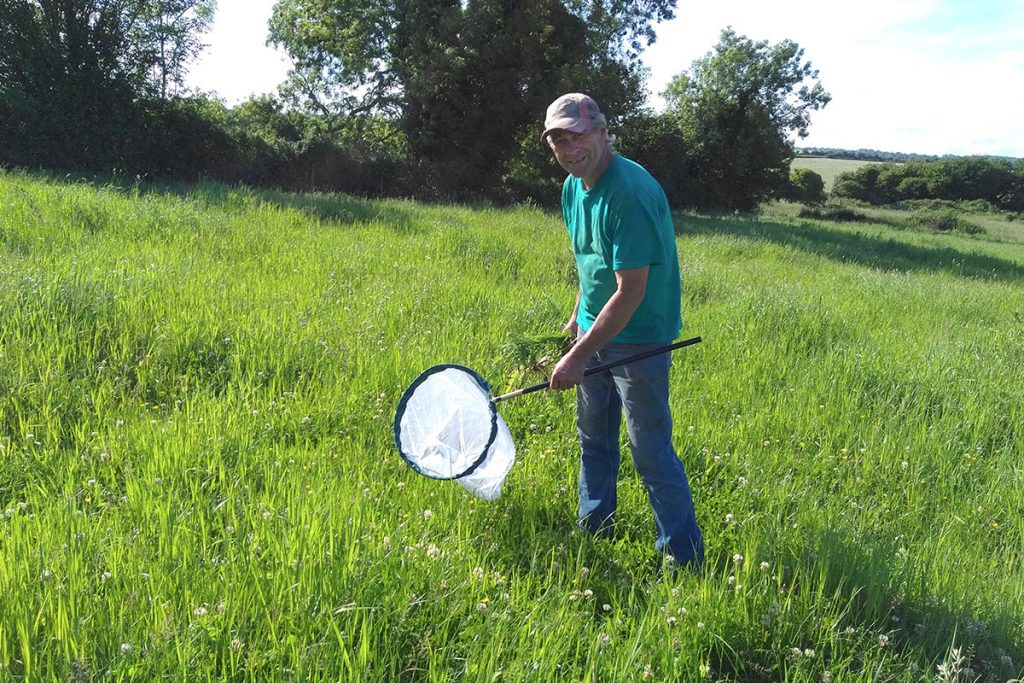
[580, 154]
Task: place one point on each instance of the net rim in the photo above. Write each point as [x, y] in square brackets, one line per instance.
[400, 413]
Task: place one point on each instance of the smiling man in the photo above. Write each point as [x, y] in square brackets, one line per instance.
[623, 239]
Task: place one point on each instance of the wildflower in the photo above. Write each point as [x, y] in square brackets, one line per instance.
[764, 566]
[433, 551]
[481, 607]
[682, 611]
[126, 648]
[737, 559]
[199, 611]
[427, 514]
[728, 518]
[588, 593]
[731, 580]
[236, 645]
[604, 639]
[648, 671]
[478, 573]
[606, 607]
[883, 640]
[742, 481]
[671, 621]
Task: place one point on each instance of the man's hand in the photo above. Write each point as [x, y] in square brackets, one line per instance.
[572, 328]
[569, 371]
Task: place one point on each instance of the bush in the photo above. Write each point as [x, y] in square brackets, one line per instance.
[841, 214]
[806, 186]
[939, 220]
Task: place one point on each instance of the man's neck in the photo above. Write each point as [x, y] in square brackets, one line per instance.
[606, 161]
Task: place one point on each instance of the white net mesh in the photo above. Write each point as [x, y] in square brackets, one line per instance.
[446, 423]
[486, 480]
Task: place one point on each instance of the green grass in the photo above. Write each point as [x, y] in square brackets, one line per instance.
[199, 481]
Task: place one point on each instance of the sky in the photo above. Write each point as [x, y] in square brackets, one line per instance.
[913, 76]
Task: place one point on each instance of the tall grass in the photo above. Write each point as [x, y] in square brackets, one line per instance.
[199, 480]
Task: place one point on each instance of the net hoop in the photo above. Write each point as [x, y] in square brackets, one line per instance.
[407, 396]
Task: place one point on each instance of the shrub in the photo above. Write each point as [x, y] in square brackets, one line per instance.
[943, 220]
[840, 214]
[806, 186]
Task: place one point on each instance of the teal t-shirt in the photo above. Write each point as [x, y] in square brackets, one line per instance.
[624, 222]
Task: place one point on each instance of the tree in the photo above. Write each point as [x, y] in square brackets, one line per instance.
[736, 107]
[466, 80]
[75, 74]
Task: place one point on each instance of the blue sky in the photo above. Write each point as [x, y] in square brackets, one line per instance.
[924, 76]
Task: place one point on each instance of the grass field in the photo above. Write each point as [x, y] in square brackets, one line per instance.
[199, 480]
[828, 169]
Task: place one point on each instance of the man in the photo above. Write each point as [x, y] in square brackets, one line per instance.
[629, 299]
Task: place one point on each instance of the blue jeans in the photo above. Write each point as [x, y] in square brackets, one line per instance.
[640, 390]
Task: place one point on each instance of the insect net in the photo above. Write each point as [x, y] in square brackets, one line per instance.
[446, 427]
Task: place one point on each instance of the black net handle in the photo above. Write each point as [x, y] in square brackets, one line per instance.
[607, 366]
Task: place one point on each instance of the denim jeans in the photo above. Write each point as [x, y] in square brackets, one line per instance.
[640, 390]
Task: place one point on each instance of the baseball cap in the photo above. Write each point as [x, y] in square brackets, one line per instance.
[574, 112]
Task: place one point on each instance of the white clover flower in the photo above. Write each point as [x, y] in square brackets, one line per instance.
[588, 593]
[236, 645]
[764, 566]
[883, 640]
[481, 607]
[199, 611]
[606, 607]
[126, 648]
[728, 518]
[737, 559]
[433, 551]
[478, 573]
[671, 621]
[604, 639]
[427, 514]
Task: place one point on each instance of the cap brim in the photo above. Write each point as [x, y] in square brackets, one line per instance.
[571, 125]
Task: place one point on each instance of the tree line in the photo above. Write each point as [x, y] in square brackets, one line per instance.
[429, 99]
[997, 182]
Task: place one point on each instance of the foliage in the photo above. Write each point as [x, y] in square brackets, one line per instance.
[81, 81]
[806, 186]
[463, 79]
[839, 214]
[736, 107]
[998, 182]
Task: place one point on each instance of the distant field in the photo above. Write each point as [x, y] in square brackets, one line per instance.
[828, 169]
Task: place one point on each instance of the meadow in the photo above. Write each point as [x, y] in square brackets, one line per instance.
[199, 480]
[827, 168]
